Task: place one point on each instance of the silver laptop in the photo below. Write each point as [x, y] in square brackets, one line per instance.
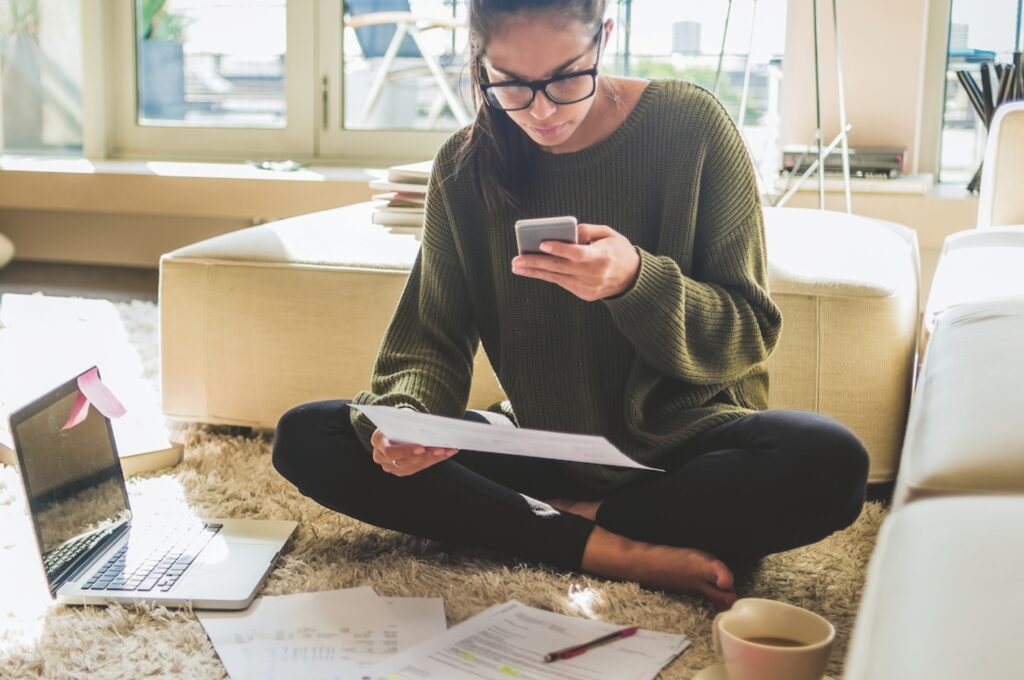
[93, 550]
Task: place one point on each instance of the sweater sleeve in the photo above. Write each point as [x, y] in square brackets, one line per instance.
[425, 361]
[715, 324]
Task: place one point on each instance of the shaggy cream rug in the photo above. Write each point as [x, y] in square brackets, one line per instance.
[228, 473]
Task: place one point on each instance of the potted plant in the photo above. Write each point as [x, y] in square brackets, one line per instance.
[161, 65]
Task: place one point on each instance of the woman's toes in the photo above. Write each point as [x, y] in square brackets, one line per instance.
[721, 575]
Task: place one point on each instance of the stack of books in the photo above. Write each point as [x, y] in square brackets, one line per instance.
[404, 197]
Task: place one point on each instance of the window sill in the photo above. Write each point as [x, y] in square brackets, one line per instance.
[221, 190]
[906, 184]
[922, 185]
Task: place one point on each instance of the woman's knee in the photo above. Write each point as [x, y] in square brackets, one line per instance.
[826, 446]
[843, 469]
[300, 437]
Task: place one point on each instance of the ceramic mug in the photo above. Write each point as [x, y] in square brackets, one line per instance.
[766, 640]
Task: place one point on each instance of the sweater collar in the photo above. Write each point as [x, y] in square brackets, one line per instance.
[574, 160]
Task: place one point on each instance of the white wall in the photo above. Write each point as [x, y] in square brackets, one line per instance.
[883, 57]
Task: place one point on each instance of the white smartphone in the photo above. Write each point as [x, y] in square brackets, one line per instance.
[531, 233]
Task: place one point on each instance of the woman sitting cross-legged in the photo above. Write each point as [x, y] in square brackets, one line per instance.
[651, 332]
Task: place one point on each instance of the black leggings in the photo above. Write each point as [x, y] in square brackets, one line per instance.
[768, 482]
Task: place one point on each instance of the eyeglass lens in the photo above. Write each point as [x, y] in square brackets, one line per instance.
[565, 91]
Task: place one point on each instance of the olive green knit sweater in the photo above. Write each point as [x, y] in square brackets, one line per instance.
[678, 353]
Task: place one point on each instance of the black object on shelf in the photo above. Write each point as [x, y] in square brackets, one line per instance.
[1000, 83]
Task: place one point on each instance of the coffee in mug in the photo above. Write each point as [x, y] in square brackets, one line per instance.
[766, 640]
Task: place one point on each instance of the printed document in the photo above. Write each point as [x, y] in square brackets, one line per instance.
[331, 635]
[406, 425]
[510, 640]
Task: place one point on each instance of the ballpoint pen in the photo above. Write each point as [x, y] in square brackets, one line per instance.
[576, 650]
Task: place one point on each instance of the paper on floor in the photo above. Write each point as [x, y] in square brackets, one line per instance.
[510, 640]
[328, 635]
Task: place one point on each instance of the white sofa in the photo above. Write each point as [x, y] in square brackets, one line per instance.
[945, 589]
[944, 594]
[259, 320]
[964, 435]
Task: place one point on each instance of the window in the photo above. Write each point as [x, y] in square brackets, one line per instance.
[367, 81]
[194, 68]
[210, 80]
[40, 77]
[405, 69]
[980, 32]
[683, 40]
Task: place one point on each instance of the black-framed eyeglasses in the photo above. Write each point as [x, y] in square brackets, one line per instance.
[564, 88]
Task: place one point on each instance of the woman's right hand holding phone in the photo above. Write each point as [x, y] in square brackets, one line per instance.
[403, 460]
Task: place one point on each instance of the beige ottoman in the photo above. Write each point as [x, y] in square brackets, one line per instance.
[964, 434]
[259, 320]
[262, 319]
[848, 290]
[945, 594]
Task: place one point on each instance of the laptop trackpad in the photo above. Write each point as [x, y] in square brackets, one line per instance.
[226, 570]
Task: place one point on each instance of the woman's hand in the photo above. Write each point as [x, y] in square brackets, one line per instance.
[605, 263]
[403, 460]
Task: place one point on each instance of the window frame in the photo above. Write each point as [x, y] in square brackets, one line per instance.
[933, 88]
[928, 145]
[314, 97]
[129, 139]
[334, 142]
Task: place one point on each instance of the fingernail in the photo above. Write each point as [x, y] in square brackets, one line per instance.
[545, 247]
[419, 451]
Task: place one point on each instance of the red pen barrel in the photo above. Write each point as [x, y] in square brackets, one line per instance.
[580, 649]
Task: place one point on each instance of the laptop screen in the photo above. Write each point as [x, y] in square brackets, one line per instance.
[72, 477]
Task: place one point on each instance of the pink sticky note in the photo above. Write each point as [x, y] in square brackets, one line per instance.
[78, 412]
[99, 396]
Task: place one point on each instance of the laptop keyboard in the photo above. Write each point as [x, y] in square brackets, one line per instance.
[162, 563]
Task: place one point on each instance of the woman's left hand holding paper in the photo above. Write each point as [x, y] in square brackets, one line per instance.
[403, 460]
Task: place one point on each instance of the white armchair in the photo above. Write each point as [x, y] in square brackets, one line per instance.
[984, 264]
[1001, 201]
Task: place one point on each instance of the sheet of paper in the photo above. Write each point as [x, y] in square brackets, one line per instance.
[406, 425]
[327, 635]
[511, 639]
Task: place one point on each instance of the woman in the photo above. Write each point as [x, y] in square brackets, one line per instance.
[652, 332]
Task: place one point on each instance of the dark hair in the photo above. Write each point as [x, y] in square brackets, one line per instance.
[496, 151]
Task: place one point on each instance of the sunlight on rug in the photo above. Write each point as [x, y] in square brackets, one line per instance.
[229, 474]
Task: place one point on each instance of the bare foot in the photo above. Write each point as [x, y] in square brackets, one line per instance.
[586, 509]
[680, 570]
